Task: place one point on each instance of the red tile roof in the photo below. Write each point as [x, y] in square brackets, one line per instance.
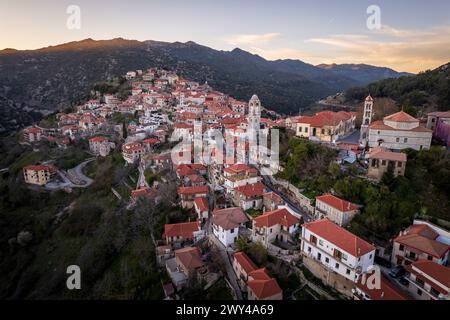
[279, 216]
[33, 130]
[379, 125]
[147, 192]
[251, 190]
[340, 237]
[98, 139]
[201, 203]
[337, 203]
[193, 190]
[239, 169]
[387, 290]
[40, 167]
[401, 117]
[272, 196]
[421, 237]
[433, 270]
[229, 218]
[326, 118]
[262, 285]
[384, 154]
[245, 262]
[185, 229]
[189, 257]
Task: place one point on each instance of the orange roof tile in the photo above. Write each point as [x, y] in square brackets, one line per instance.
[185, 229]
[245, 262]
[340, 237]
[279, 216]
[337, 203]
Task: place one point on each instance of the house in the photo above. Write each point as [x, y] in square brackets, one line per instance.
[277, 225]
[249, 196]
[239, 175]
[428, 280]
[261, 286]
[179, 232]
[337, 249]
[201, 207]
[145, 192]
[132, 151]
[337, 210]
[257, 282]
[271, 201]
[99, 146]
[150, 143]
[386, 291]
[381, 159]
[38, 174]
[243, 266]
[188, 194]
[186, 264]
[194, 180]
[439, 122]
[326, 126]
[421, 241]
[226, 223]
[32, 134]
[399, 131]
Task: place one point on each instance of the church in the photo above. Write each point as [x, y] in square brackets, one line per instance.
[397, 131]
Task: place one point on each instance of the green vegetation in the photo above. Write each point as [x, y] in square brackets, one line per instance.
[309, 166]
[430, 87]
[387, 207]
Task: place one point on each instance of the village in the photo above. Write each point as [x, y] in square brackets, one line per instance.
[242, 225]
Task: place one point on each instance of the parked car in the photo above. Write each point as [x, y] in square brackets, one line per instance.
[397, 272]
[403, 281]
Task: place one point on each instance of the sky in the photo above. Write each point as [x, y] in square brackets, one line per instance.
[411, 35]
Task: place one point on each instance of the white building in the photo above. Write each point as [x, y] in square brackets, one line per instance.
[366, 120]
[277, 225]
[399, 131]
[337, 210]
[226, 223]
[337, 249]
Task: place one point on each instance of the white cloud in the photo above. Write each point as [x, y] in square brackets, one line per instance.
[402, 50]
[252, 39]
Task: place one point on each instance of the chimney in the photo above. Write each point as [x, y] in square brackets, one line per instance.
[382, 294]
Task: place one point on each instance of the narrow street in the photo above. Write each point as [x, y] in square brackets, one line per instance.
[231, 276]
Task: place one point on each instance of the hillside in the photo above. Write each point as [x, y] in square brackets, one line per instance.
[34, 83]
[429, 91]
[363, 73]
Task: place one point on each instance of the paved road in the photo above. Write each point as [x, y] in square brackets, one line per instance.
[77, 173]
[231, 276]
[289, 203]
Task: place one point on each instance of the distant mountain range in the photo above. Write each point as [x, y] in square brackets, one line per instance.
[428, 91]
[36, 82]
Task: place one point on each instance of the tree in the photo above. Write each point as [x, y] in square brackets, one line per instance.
[242, 244]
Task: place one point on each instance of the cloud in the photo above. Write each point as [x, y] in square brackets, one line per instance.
[403, 50]
[252, 39]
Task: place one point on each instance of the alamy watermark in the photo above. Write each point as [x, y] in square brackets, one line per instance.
[74, 19]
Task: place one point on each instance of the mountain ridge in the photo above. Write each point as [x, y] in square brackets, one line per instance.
[54, 77]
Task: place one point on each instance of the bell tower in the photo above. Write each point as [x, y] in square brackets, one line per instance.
[366, 120]
[254, 113]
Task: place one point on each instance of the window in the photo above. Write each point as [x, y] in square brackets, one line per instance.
[337, 266]
[270, 230]
[309, 249]
[306, 129]
[323, 131]
[327, 260]
[397, 140]
[370, 257]
[232, 231]
[419, 292]
[399, 164]
[319, 256]
[433, 120]
[405, 140]
[430, 258]
[401, 247]
[344, 257]
[383, 162]
[348, 271]
[321, 242]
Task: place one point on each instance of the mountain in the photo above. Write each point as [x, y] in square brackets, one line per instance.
[34, 83]
[362, 73]
[428, 90]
